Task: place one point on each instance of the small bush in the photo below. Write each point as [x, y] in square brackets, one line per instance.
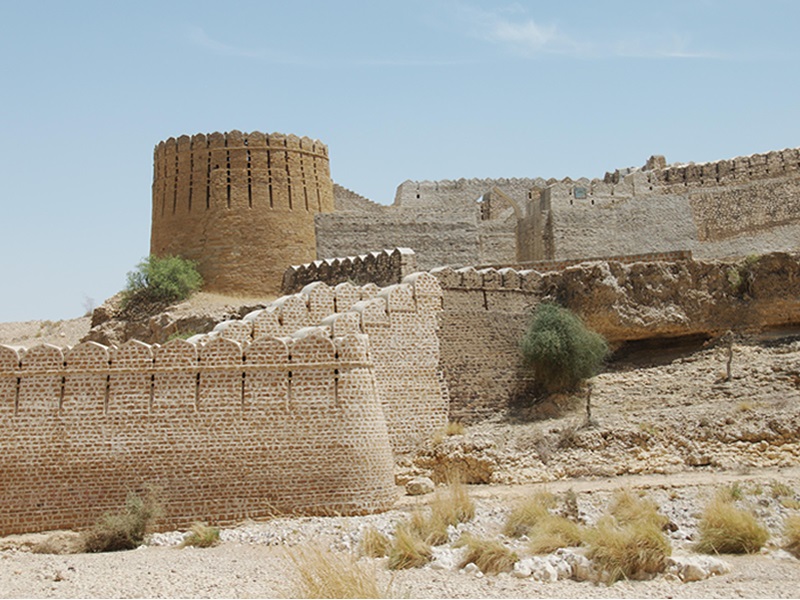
[323, 574]
[124, 530]
[726, 529]
[627, 551]
[553, 532]
[374, 544]
[490, 556]
[159, 280]
[528, 513]
[408, 550]
[781, 489]
[561, 350]
[791, 534]
[431, 528]
[201, 536]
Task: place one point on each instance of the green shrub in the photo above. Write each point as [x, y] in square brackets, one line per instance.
[124, 530]
[561, 350]
[162, 279]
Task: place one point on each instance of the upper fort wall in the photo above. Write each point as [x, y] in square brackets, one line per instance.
[746, 205]
[240, 204]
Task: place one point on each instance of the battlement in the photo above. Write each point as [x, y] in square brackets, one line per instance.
[241, 205]
[382, 268]
[742, 169]
[335, 377]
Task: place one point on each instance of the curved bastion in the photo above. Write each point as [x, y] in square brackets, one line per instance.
[241, 205]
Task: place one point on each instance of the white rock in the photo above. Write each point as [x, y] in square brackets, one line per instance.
[582, 569]
[522, 569]
[471, 568]
[545, 572]
[445, 558]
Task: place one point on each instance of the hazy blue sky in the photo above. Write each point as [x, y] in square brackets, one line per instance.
[398, 90]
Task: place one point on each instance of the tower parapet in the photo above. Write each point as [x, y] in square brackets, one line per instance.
[241, 205]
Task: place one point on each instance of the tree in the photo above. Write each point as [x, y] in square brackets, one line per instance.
[561, 350]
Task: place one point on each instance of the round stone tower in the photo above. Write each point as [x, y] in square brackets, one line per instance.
[241, 205]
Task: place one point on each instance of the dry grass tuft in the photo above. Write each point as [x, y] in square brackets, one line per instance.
[633, 550]
[726, 529]
[408, 550]
[780, 490]
[454, 505]
[628, 507]
[374, 544]
[490, 556]
[553, 532]
[201, 536]
[527, 513]
[323, 574]
[791, 534]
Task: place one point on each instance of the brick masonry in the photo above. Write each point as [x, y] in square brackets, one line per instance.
[241, 205]
[296, 408]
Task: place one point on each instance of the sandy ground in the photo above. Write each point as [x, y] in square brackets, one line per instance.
[671, 430]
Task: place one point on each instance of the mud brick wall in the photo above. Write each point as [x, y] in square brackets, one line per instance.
[382, 268]
[240, 204]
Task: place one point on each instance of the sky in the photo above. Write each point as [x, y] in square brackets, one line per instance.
[412, 89]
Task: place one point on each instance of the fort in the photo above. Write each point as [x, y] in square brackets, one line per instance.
[393, 319]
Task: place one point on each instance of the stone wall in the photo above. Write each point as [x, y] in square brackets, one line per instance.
[264, 415]
[747, 205]
[240, 204]
[380, 268]
[485, 313]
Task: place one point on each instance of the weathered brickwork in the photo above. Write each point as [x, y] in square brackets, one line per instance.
[240, 204]
[381, 268]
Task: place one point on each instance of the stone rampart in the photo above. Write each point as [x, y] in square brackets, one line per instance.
[747, 205]
[241, 205]
[265, 415]
[485, 312]
[380, 268]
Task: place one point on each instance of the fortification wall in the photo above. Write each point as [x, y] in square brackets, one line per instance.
[485, 313]
[462, 193]
[401, 323]
[240, 204]
[222, 432]
[382, 268]
[348, 200]
[266, 414]
[438, 237]
[746, 205]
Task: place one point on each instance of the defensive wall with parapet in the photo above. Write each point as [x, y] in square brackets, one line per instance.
[469, 221]
[241, 205]
[626, 298]
[746, 205]
[296, 408]
[382, 268]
